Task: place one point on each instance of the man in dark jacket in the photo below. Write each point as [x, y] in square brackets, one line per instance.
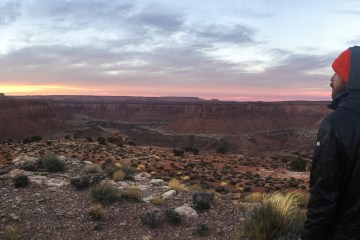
[334, 205]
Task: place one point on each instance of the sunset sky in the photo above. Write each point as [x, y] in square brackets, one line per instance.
[242, 50]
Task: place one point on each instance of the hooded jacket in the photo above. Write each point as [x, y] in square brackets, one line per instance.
[334, 205]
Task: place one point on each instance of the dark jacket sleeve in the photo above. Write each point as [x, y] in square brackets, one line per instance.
[325, 182]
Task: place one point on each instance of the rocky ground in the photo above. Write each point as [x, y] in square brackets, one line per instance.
[52, 208]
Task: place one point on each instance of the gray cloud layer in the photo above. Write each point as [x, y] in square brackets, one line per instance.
[130, 44]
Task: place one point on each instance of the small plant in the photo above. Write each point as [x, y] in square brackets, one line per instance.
[276, 216]
[80, 182]
[118, 175]
[101, 141]
[105, 192]
[178, 152]
[97, 212]
[36, 138]
[194, 150]
[157, 200]
[132, 193]
[12, 232]
[203, 200]
[26, 141]
[176, 185]
[221, 150]
[172, 216]
[202, 229]
[89, 139]
[254, 197]
[21, 181]
[149, 218]
[298, 165]
[51, 163]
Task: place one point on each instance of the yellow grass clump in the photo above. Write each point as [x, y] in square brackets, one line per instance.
[176, 185]
[118, 175]
[196, 187]
[277, 215]
[97, 212]
[185, 178]
[253, 197]
[224, 184]
[12, 232]
[140, 167]
[158, 200]
[133, 193]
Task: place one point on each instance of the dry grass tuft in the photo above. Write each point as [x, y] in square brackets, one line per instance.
[12, 232]
[132, 193]
[277, 215]
[97, 212]
[118, 175]
[158, 200]
[176, 185]
[254, 197]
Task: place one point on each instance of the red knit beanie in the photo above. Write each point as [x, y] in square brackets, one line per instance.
[341, 65]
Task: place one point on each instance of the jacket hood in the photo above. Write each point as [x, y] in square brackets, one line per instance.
[352, 89]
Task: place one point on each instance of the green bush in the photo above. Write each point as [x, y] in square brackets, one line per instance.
[276, 216]
[36, 138]
[172, 216]
[89, 139]
[298, 165]
[149, 218]
[26, 141]
[21, 181]
[105, 192]
[202, 200]
[101, 140]
[221, 150]
[178, 152]
[51, 163]
[191, 149]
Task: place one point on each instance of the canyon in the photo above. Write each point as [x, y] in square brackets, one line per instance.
[242, 127]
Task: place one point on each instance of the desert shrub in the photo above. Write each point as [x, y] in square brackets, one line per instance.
[118, 175]
[222, 189]
[129, 172]
[172, 216]
[111, 140]
[132, 193]
[202, 200]
[101, 140]
[89, 139]
[157, 200]
[81, 182]
[26, 141]
[12, 232]
[21, 181]
[276, 216]
[36, 138]
[110, 170]
[298, 165]
[247, 189]
[202, 229]
[178, 152]
[97, 212]
[29, 165]
[191, 149]
[97, 178]
[149, 218]
[105, 192]
[175, 184]
[253, 197]
[221, 150]
[49, 143]
[51, 163]
[93, 168]
[67, 137]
